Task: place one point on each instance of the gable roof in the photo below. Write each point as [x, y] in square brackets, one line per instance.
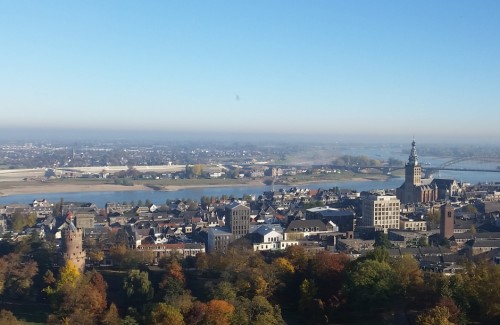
[306, 224]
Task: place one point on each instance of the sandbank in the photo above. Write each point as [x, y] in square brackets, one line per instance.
[19, 188]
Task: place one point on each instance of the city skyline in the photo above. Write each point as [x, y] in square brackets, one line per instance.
[363, 70]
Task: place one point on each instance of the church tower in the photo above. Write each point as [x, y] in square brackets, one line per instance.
[414, 190]
[413, 170]
[447, 221]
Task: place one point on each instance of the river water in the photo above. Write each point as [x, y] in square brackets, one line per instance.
[160, 197]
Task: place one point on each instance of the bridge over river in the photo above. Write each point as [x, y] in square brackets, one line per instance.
[465, 164]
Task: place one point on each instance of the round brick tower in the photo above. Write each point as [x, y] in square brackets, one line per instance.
[72, 244]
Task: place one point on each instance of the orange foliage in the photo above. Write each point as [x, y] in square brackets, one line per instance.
[218, 312]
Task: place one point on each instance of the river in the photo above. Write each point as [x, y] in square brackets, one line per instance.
[160, 197]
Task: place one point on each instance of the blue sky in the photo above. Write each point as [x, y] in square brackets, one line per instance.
[398, 69]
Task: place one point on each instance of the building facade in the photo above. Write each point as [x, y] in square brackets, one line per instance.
[237, 219]
[381, 212]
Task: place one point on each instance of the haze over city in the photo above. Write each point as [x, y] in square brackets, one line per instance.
[360, 70]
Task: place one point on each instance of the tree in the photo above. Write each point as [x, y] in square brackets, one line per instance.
[16, 275]
[201, 262]
[223, 290]
[96, 256]
[423, 241]
[137, 286]
[328, 271]
[164, 314]
[435, 316]
[382, 240]
[256, 311]
[88, 298]
[308, 291]
[380, 254]
[408, 275]
[283, 266]
[297, 256]
[433, 217]
[8, 318]
[194, 171]
[370, 283]
[19, 220]
[111, 317]
[171, 288]
[197, 170]
[218, 312]
[197, 313]
[76, 298]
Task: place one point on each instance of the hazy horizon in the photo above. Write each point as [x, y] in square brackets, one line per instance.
[381, 71]
[70, 135]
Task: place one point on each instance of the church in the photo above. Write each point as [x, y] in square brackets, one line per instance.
[415, 189]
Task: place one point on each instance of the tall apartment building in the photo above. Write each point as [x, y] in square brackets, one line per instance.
[381, 212]
[237, 219]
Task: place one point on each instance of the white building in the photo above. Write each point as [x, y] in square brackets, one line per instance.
[381, 212]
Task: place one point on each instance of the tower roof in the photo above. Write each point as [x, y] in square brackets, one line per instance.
[412, 159]
[69, 221]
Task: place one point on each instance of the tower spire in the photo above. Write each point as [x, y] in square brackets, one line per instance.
[413, 154]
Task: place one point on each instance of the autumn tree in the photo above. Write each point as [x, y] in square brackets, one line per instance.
[408, 275]
[8, 318]
[475, 291]
[283, 266]
[164, 314]
[19, 220]
[201, 262]
[111, 317]
[197, 313]
[223, 290]
[219, 312]
[435, 316]
[16, 275]
[257, 311]
[327, 270]
[129, 258]
[297, 257]
[194, 171]
[96, 256]
[172, 283]
[77, 298]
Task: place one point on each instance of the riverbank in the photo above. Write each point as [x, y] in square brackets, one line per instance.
[34, 187]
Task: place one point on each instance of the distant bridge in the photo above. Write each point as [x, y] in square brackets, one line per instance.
[462, 159]
[430, 169]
